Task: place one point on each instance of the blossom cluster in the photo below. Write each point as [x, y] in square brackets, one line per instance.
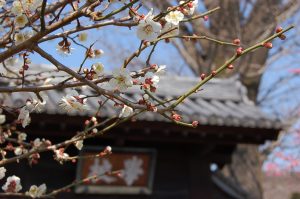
[150, 28]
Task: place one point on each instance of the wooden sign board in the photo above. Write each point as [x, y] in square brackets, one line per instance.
[136, 166]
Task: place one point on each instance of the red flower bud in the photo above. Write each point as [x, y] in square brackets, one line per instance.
[176, 117]
[239, 51]
[237, 41]
[190, 4]
[135, 81]
[279, 29]
[205, 18]
[230, 67]
[26, 67]
[202, 76]
[213, 73]
[195, 124]
[268, 45]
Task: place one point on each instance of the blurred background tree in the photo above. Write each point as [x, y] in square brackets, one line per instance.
[250, 21]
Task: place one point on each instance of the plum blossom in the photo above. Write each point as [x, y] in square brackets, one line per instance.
[24, 116]
[19, 38]
[64, 50]
[60, 156]
[98, 68]
[94, 53]
[37, 143]
[22, 36]
[2, 119]
[2, 172]
[31, 5]
[22, 137]
[73, 101]
[146, 97]
[161, 70]
[147, 28]
[21, 20]
[21, 6]
[35, 104]
[18, 151]
[152, 79]
[174, 17]
[121, 80]
[79, 144]
[126, 111]
[31, 105]
[82, 36]
[37, 191]
[189, 8]
[12, 185]
[17, 8]
[98, 53]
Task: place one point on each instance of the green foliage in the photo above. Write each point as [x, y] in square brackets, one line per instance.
[295, 196]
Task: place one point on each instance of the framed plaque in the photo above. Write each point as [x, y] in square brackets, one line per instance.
[136, 166]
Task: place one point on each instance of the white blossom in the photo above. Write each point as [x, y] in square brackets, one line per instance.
[36, 191]
[161, 70]
[145, 96]
[12, 185]
[126, 111]
[98, 53]
[121, 80]
[82, 36]
[189, 9]
[152, 79]
[2, 172]
[31, 5]
[94, 130]
[17, 8]
[22, 137]
[22, 36]
[18, 151]
[2, 119]
[37, 143]
[60, 155]
[98, 68]
[19, 38]
[108, 149]
[64, 50]
[21, 20]
[24, 116]
[79, 144]
[73, 101]
[148, 29]
[39, 105]
[174, 17]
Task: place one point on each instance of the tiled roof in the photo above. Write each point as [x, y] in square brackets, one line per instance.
[222, 102]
